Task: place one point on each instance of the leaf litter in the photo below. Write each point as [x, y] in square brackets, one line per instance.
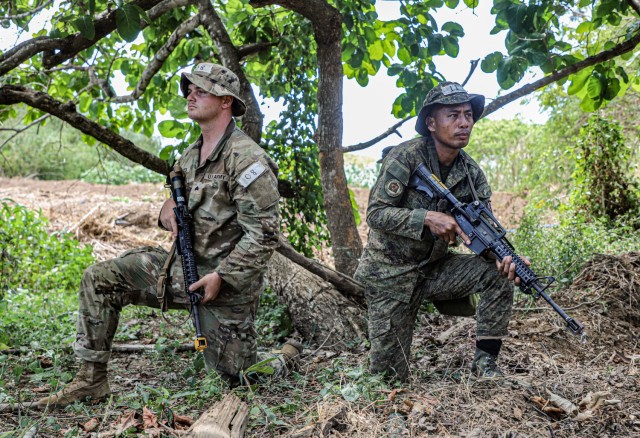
[558, 386]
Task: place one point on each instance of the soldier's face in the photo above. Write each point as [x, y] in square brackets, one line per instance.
[203, 106]
[451, 125]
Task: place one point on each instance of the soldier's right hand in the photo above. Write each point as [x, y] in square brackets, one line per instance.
[445, 227]
[168, 217]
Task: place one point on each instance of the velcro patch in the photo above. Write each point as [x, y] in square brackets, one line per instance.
[251, 173]
[452, 88]
[204, 67]
[216, 177]
[394, 188]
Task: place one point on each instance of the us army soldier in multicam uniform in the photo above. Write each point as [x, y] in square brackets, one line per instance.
[407, 261]
[233, 199]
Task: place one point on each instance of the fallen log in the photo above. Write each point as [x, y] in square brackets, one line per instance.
[321, 314]
[343, 283]
[227, 418]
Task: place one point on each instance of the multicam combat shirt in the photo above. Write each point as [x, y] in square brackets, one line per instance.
[400, 247]
[233, 200]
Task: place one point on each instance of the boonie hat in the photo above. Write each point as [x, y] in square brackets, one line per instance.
[217, 80]
[448, 93]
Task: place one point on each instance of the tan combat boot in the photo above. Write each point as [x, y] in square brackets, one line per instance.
[91, 382]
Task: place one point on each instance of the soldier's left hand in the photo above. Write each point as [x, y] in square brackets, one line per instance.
[211, 284]
[507, 268]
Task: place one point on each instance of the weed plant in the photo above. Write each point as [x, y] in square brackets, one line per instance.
[39, 277]
[562, 249]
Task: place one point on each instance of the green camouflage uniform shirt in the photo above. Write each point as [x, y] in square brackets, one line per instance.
[400, 246]
[233, 200]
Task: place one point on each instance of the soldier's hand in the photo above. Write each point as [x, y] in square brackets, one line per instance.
[168, 217]
[507, 268]
[211, 284]
[445, 227]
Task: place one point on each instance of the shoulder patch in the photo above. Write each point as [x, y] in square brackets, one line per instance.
[398, 170]
[393, 187]
[251, 173]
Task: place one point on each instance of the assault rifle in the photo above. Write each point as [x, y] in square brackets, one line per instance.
[185, 249]
[487, 235]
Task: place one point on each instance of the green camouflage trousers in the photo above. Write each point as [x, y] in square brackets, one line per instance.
[454, 276]
[131, 279]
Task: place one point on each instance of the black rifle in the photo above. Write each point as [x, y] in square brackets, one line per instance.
[487, 235]
[185, 249]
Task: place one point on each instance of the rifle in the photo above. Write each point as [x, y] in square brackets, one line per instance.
[185, 249]
[487, 235]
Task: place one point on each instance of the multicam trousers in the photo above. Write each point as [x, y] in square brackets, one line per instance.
[455, 276]
[131, 279]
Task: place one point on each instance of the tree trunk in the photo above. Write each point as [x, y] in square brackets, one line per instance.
[327, 28]
[345, 241]
[322, 315]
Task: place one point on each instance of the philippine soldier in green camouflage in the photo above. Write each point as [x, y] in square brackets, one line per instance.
[233, 201]
[407, 261]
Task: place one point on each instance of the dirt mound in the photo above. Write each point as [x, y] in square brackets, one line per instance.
[615, 281]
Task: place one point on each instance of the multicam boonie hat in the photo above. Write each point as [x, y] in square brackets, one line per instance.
[217, 80]
[448, 93]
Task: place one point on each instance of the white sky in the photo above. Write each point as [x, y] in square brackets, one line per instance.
[367, 111]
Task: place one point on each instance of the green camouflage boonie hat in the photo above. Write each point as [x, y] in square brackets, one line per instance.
[217, 80]
[448, 93]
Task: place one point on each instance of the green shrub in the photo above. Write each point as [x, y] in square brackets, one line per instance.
[117, 173]
[561, 249]
[39, 276]
[604, 183]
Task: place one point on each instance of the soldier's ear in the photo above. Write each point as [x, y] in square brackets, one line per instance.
[227, 101]
[431, 123]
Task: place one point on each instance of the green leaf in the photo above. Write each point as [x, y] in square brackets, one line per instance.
[584, 27]
[612, 89]
[605, 8]
[451, 46]
[453, 28]
[594, 86]
[171, 128]
[376, 52]
[578, 81]
[404, 55]
[370, 35]
[350, 392]
[92, 7]
[434, 44]
[128, 22]
[472, 3]
[452, 4]
[491, 62]
[85, 26]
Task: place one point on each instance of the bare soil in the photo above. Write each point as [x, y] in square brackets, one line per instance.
[559, 385]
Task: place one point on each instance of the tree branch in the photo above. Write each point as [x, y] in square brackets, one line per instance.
[250, 49]
[385, 134]
[28, 13]
[343, 283]
[635, 5]
[12, 94]
[618, 50]
[19, 131]
[230, 57]
[160, 57]
[25, 50]
[474, 64]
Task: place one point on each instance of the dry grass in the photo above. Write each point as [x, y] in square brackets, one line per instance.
[600, 376]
